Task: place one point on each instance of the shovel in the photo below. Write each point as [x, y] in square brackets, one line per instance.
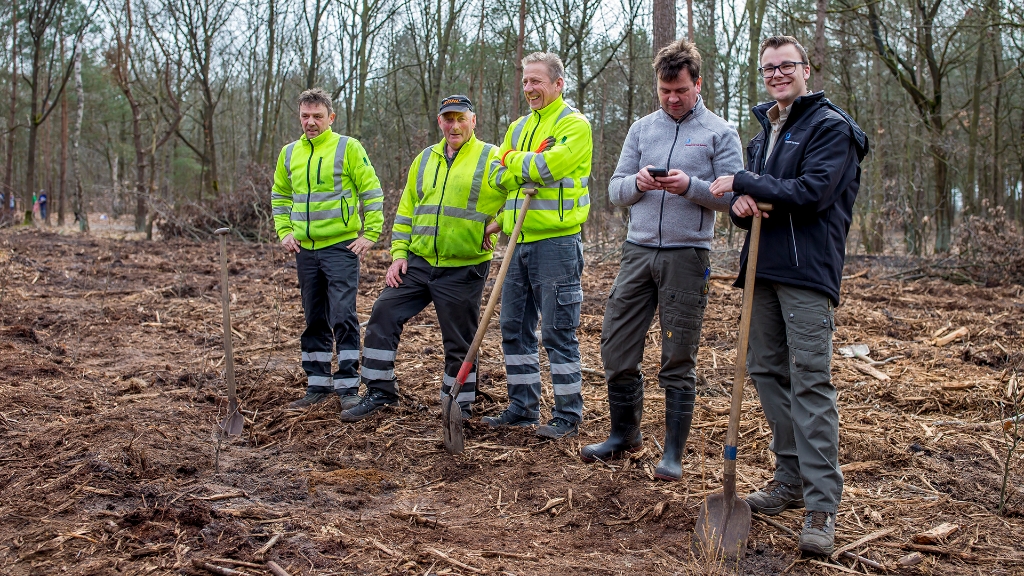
[451, 414]
[232, 424]
[724, 521]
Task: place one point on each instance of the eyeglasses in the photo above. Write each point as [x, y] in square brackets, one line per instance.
[786, 68]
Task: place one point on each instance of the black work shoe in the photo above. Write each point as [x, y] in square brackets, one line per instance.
[558, 428]
[349, 400]
[308, 400]
[508, 418]
[678, 418]
[776, 497]
[467, 412]
[626, 409]
[372, 401]
[819, 534]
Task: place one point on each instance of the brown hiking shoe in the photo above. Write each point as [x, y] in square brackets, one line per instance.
[776, 497]
[819, 534]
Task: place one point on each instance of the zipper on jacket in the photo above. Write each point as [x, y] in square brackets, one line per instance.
[792, 234]
[668, 162]
[529, 146]
[440, 202]
[319, 164]
[309, 192]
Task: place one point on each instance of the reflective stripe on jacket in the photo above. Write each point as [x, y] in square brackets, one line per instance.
[560, 174]
[316, 184]
[445, 206]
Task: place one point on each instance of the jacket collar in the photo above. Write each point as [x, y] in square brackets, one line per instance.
[320, 138]
[467, 145]
[694, 112]
[553, 109]
[799, 106]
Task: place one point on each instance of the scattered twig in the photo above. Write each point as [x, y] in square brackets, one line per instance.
[453, 561]
[217, 569]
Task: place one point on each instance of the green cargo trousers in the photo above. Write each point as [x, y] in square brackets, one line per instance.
[675, 282]
[790, 360]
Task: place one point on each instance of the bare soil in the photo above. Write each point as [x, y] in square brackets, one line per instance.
[112, 385]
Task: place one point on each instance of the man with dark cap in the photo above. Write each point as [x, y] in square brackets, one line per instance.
[441, 253]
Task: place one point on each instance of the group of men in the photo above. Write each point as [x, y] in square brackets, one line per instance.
[678, 167]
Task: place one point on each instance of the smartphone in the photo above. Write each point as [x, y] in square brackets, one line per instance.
[658, 172]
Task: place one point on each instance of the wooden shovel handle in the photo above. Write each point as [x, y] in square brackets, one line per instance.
[229, 358]
[732, 435]
[467, 364]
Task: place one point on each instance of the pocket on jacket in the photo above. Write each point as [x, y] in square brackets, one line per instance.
[568, 300]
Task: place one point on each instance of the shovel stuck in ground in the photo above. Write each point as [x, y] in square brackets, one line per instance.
[451, 414]
[724, 521]
[233, 423]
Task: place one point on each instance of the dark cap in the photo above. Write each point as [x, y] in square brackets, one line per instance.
[456, 103]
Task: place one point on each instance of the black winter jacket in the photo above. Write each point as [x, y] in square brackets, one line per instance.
[812, 179]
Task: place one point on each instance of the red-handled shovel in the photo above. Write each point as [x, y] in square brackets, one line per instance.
[451, 414]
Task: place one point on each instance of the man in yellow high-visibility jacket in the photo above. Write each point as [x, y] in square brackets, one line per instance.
[320, 180]
[549, 151]
[441, 253]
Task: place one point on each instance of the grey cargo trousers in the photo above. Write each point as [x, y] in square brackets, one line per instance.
[790, 361]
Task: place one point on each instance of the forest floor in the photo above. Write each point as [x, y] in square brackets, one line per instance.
[111, 387]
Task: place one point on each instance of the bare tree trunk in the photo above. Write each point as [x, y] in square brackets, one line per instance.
[78, 204]
[63, 169]
[755, 15]
[818, 78]
[261, 150]
[663, 32]
[710, 61]
[689, 20]
[9, 171]
[314, 39]
[517, 90]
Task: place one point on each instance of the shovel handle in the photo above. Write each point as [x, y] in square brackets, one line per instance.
[492, 302]
[229, 359]
[732, 434]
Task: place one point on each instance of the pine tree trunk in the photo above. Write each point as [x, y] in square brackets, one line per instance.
[78, 205]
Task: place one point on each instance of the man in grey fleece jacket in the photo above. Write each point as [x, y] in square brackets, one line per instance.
[665, 260]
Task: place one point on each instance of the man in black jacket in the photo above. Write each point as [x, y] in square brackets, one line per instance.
[806, 163]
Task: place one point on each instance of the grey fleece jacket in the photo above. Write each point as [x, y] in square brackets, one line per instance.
[702, 145]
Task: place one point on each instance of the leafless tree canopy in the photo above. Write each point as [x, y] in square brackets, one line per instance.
[186, 102]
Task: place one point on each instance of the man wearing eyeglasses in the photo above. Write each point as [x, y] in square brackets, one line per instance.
[806, 163]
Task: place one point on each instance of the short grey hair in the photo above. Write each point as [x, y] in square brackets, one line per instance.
[315, 96]
[556, 69]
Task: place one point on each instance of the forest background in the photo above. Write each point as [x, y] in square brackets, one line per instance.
[175, 110]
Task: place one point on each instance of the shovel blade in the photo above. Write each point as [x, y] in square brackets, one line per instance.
[723, 526]
[451, 425]
[233, 424]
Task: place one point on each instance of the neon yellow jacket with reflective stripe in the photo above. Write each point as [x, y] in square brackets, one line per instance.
[315, 187]
[561, 174]
[445, 206]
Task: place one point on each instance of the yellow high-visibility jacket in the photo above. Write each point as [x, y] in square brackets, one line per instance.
[446, 205]
[560, 174]
[316, 184]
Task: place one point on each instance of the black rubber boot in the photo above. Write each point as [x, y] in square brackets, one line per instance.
[678, 417]
[626, 407]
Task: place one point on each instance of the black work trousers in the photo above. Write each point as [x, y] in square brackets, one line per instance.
[456, 294]
[328, 280]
